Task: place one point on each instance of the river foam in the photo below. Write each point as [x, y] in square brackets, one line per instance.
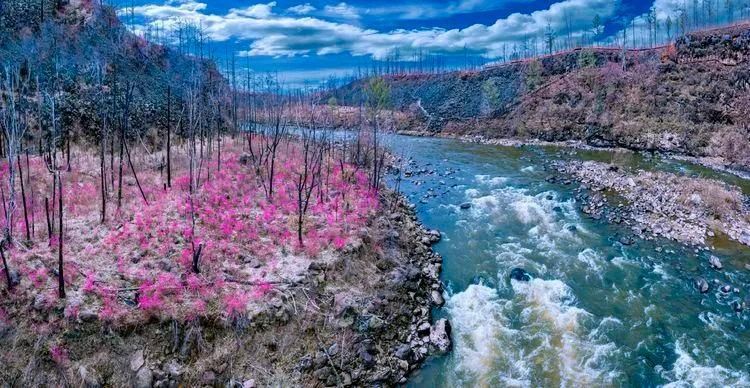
[577, 356]
[484, 343]
[687, 372]
[541, 317]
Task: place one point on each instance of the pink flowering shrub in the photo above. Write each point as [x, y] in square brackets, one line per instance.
[235, 303]
[58, 354]
[139, 262]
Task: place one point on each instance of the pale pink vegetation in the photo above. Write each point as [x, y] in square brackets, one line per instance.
[143, 252]
[58, 354]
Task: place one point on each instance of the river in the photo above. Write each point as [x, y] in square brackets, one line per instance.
[597, 313]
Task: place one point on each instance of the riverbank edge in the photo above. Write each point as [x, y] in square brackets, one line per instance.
[714, 163]
[358, 318]
[648, 203]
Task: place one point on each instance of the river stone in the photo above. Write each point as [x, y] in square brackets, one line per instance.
[249, 383]
[403, 352]
[305, 363]
[208, 378]
[137, 360]
[745, 238]
[520, 274]
[346, 379]
[465, 206]
[174, 369]
[367, 359]
[322, 373]
[437, 298]
[424, 329]
[737, 306]
[726, 288]
[89, 379]
[626, 240]
[715, 262]
[144, 378]
[88, 315]
[701, 285]
[320, 359]
[440, 336]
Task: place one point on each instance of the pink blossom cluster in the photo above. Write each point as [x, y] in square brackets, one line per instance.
[139, 263]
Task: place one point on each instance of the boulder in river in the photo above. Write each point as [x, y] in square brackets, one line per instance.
[437, 298]
[434, 236]
[715, 262]
[745, 238]
[520, 274]
[701, 285]
[465, 206]
[440, 336]
[627, 240]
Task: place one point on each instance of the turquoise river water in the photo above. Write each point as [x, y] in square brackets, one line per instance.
[598, 313]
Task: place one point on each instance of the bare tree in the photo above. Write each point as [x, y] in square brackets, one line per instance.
[14, 121]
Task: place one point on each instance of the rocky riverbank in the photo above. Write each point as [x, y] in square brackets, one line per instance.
[359, 318]
[684, 209]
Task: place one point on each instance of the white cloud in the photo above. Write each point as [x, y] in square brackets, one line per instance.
[258, 11]
[275, 35]
[341, 11]
[302, 9]
[411, 11]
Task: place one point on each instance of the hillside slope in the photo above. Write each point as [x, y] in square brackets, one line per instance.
[691, 98]
[79, 52]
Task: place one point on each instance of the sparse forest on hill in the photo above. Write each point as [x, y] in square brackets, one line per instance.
[180, 205]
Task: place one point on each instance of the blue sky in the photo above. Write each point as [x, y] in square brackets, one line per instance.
[310, 40]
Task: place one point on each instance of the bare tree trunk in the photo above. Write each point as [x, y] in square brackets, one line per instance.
[31, 188]
[112, 161]
[60, 270]
[119, 182]
[137, 182]
[49, 220]
[103, 168]
[23, 199]
[5, 266]
[169, 136]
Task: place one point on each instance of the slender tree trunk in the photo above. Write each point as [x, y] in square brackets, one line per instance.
[67, 151]
[23, 199]
[169, 137]
[196, 258]
[5, 207]
[60, 270]
[5, 266]
[49, 220]
[112, 161]
[31, 192]
[138, 183]
[103, 168]
[122, 150]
